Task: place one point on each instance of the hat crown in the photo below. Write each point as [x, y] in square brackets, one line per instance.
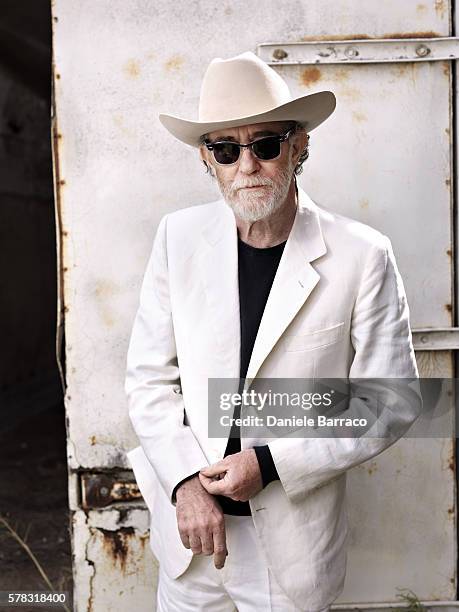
[241, 86]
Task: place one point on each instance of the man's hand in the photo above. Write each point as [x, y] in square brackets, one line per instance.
[200, 521]
[239, 476]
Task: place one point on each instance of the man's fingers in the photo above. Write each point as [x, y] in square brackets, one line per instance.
[215, 487]
[220, 550]
[207, 544]
[196, 545]
[215, 469]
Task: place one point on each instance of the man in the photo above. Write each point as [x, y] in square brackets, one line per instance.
[260, 284]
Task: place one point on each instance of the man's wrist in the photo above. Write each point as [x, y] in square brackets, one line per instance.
[178, 485]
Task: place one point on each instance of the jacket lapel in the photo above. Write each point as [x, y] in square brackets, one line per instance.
[294, 281]
[219, 267]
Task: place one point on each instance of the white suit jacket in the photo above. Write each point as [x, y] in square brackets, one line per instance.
[337, 308]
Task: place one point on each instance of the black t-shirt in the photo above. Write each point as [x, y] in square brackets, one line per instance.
[256, 271]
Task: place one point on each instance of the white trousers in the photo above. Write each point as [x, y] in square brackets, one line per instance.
[244, 584]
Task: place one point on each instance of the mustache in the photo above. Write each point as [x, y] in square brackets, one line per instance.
[253, 183]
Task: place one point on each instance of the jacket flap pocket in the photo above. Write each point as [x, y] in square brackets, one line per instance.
[314, 338]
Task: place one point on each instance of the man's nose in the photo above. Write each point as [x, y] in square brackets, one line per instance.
[248, 163]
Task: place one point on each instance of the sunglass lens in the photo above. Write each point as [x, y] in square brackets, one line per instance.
[226, 153]
[266, 148]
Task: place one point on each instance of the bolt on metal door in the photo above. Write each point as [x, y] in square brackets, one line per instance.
[384, 158]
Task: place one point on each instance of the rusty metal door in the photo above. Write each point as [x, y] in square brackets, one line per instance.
[386, 157]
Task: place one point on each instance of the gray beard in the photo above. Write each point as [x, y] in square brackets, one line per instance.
[253, 205]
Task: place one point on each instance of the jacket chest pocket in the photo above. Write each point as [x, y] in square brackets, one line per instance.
[313, 339]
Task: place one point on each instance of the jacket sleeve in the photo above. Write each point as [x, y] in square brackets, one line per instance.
[384, 367]
[152, 384]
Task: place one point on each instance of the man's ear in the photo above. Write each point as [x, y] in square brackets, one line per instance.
[299, 141]
[203, 153]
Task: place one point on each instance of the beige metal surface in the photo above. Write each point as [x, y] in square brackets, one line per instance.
[384, 158]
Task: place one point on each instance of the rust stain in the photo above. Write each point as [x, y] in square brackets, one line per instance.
[451, 465]
[360, 117]
[58, 76]
[174, 63]
[373, 468]
[447, 131]
[448, 307]
[341, 74]
[104, 290]
[337, 38]
[424, 34]
[447, 182]
[93, 440]
[449, 253]
[421, 8]
[118, 120]
[327, 37]
[446, 69]
[117, 544]
[451, 511]
[440, 8]
[62, 182]
[132, 68]
[310, 76]
[351, 93]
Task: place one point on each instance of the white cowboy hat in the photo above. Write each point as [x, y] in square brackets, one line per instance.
[242, 90]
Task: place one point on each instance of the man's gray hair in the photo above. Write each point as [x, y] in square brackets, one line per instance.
[303, 157]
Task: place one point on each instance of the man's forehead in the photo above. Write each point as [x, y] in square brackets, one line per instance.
[253, 129]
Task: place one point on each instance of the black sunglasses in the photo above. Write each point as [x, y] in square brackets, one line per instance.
[227, 152]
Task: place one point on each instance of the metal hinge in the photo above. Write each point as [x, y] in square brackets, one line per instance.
[365, 51]
[100, 490]
[436, 339]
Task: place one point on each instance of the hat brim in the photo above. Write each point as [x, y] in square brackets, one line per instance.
[310, 111]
